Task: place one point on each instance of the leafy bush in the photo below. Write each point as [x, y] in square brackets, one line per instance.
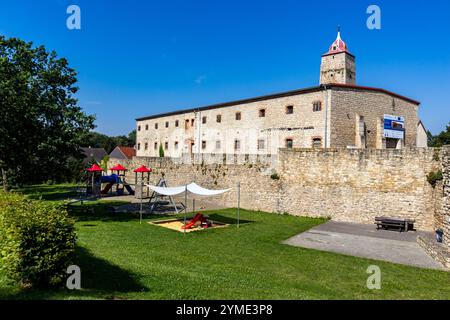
[434, 177]
[37, 241]
[275, 176]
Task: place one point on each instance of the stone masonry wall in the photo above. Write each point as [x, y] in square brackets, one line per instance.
[343, 184]
[349, 103]
[445, 155]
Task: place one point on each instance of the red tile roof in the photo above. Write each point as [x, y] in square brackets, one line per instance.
[129, 152]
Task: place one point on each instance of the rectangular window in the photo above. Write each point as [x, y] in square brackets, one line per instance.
[204, 120]
[146, 127]
[289, 109]
[262, 113]
[139, 146]
[289, 143]
[317, 106]
[192, 122]
[146, 146]
[261, 144]
[177, 123]
[166, 145]
[219, 118]
[203, 144]
[176, 145]
[167, 124]
[186, 126]
[317, 143]
[156, 126]
[238, 116]
[237, 145]
[218, 145]
[139, 128]
[155, 146]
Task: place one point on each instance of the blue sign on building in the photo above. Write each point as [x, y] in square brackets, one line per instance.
[394, 127]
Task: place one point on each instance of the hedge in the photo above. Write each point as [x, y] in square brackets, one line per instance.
[37, 241]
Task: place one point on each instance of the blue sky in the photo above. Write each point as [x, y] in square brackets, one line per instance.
[137, 58]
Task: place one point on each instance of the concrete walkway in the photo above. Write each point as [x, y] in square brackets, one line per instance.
[366, 241]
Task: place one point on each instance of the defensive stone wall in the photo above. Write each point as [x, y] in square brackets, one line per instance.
[343, 184]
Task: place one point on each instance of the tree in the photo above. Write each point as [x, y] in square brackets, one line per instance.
[441, 139]
[98, 140]
[132, 137]
[161, 151]
[104, 163]
[41, 125]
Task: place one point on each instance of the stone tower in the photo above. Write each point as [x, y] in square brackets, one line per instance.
[338, 64]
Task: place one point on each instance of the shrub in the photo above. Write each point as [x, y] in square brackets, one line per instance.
[434, 177]
[275, 176]
[37, 241]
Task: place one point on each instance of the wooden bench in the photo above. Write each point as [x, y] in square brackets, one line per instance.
[394, 223]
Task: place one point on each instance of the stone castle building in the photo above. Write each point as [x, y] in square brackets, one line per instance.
[336, 113]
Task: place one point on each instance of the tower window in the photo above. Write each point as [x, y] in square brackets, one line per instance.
[289, 109]
[192, 122]
[317, 106]
[238, 116]
[289, 143]
[167, 124]
[237, 145]
[261, 144]
[262, 113]
[146, 127]
[219, 118]
[139, 128]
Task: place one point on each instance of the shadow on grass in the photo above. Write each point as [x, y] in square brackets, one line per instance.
[100, 279]
[49, 192]
[100, 211]
[100, 275]
[228, 220]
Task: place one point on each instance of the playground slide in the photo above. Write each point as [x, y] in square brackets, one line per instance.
[129, 189]
[107, 188]
[190, 224]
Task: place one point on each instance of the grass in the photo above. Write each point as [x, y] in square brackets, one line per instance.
[122, 259]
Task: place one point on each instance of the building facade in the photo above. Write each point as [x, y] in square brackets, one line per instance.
[337, 113]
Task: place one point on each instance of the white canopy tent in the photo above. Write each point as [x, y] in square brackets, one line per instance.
[193, 188]
[195, 191]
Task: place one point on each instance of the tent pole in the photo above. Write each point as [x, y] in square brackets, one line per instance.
[239, 202]
[140, 210]
[185, 209]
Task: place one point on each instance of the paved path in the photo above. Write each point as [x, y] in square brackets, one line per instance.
[366, 241]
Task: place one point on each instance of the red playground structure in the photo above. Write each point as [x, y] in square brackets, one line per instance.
[198, 220]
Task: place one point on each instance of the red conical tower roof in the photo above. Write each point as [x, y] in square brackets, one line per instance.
[338, 45]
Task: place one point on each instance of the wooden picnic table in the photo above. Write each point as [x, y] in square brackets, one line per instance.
[397, 223]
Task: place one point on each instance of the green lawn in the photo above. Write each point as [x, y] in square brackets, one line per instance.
[122, 259]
